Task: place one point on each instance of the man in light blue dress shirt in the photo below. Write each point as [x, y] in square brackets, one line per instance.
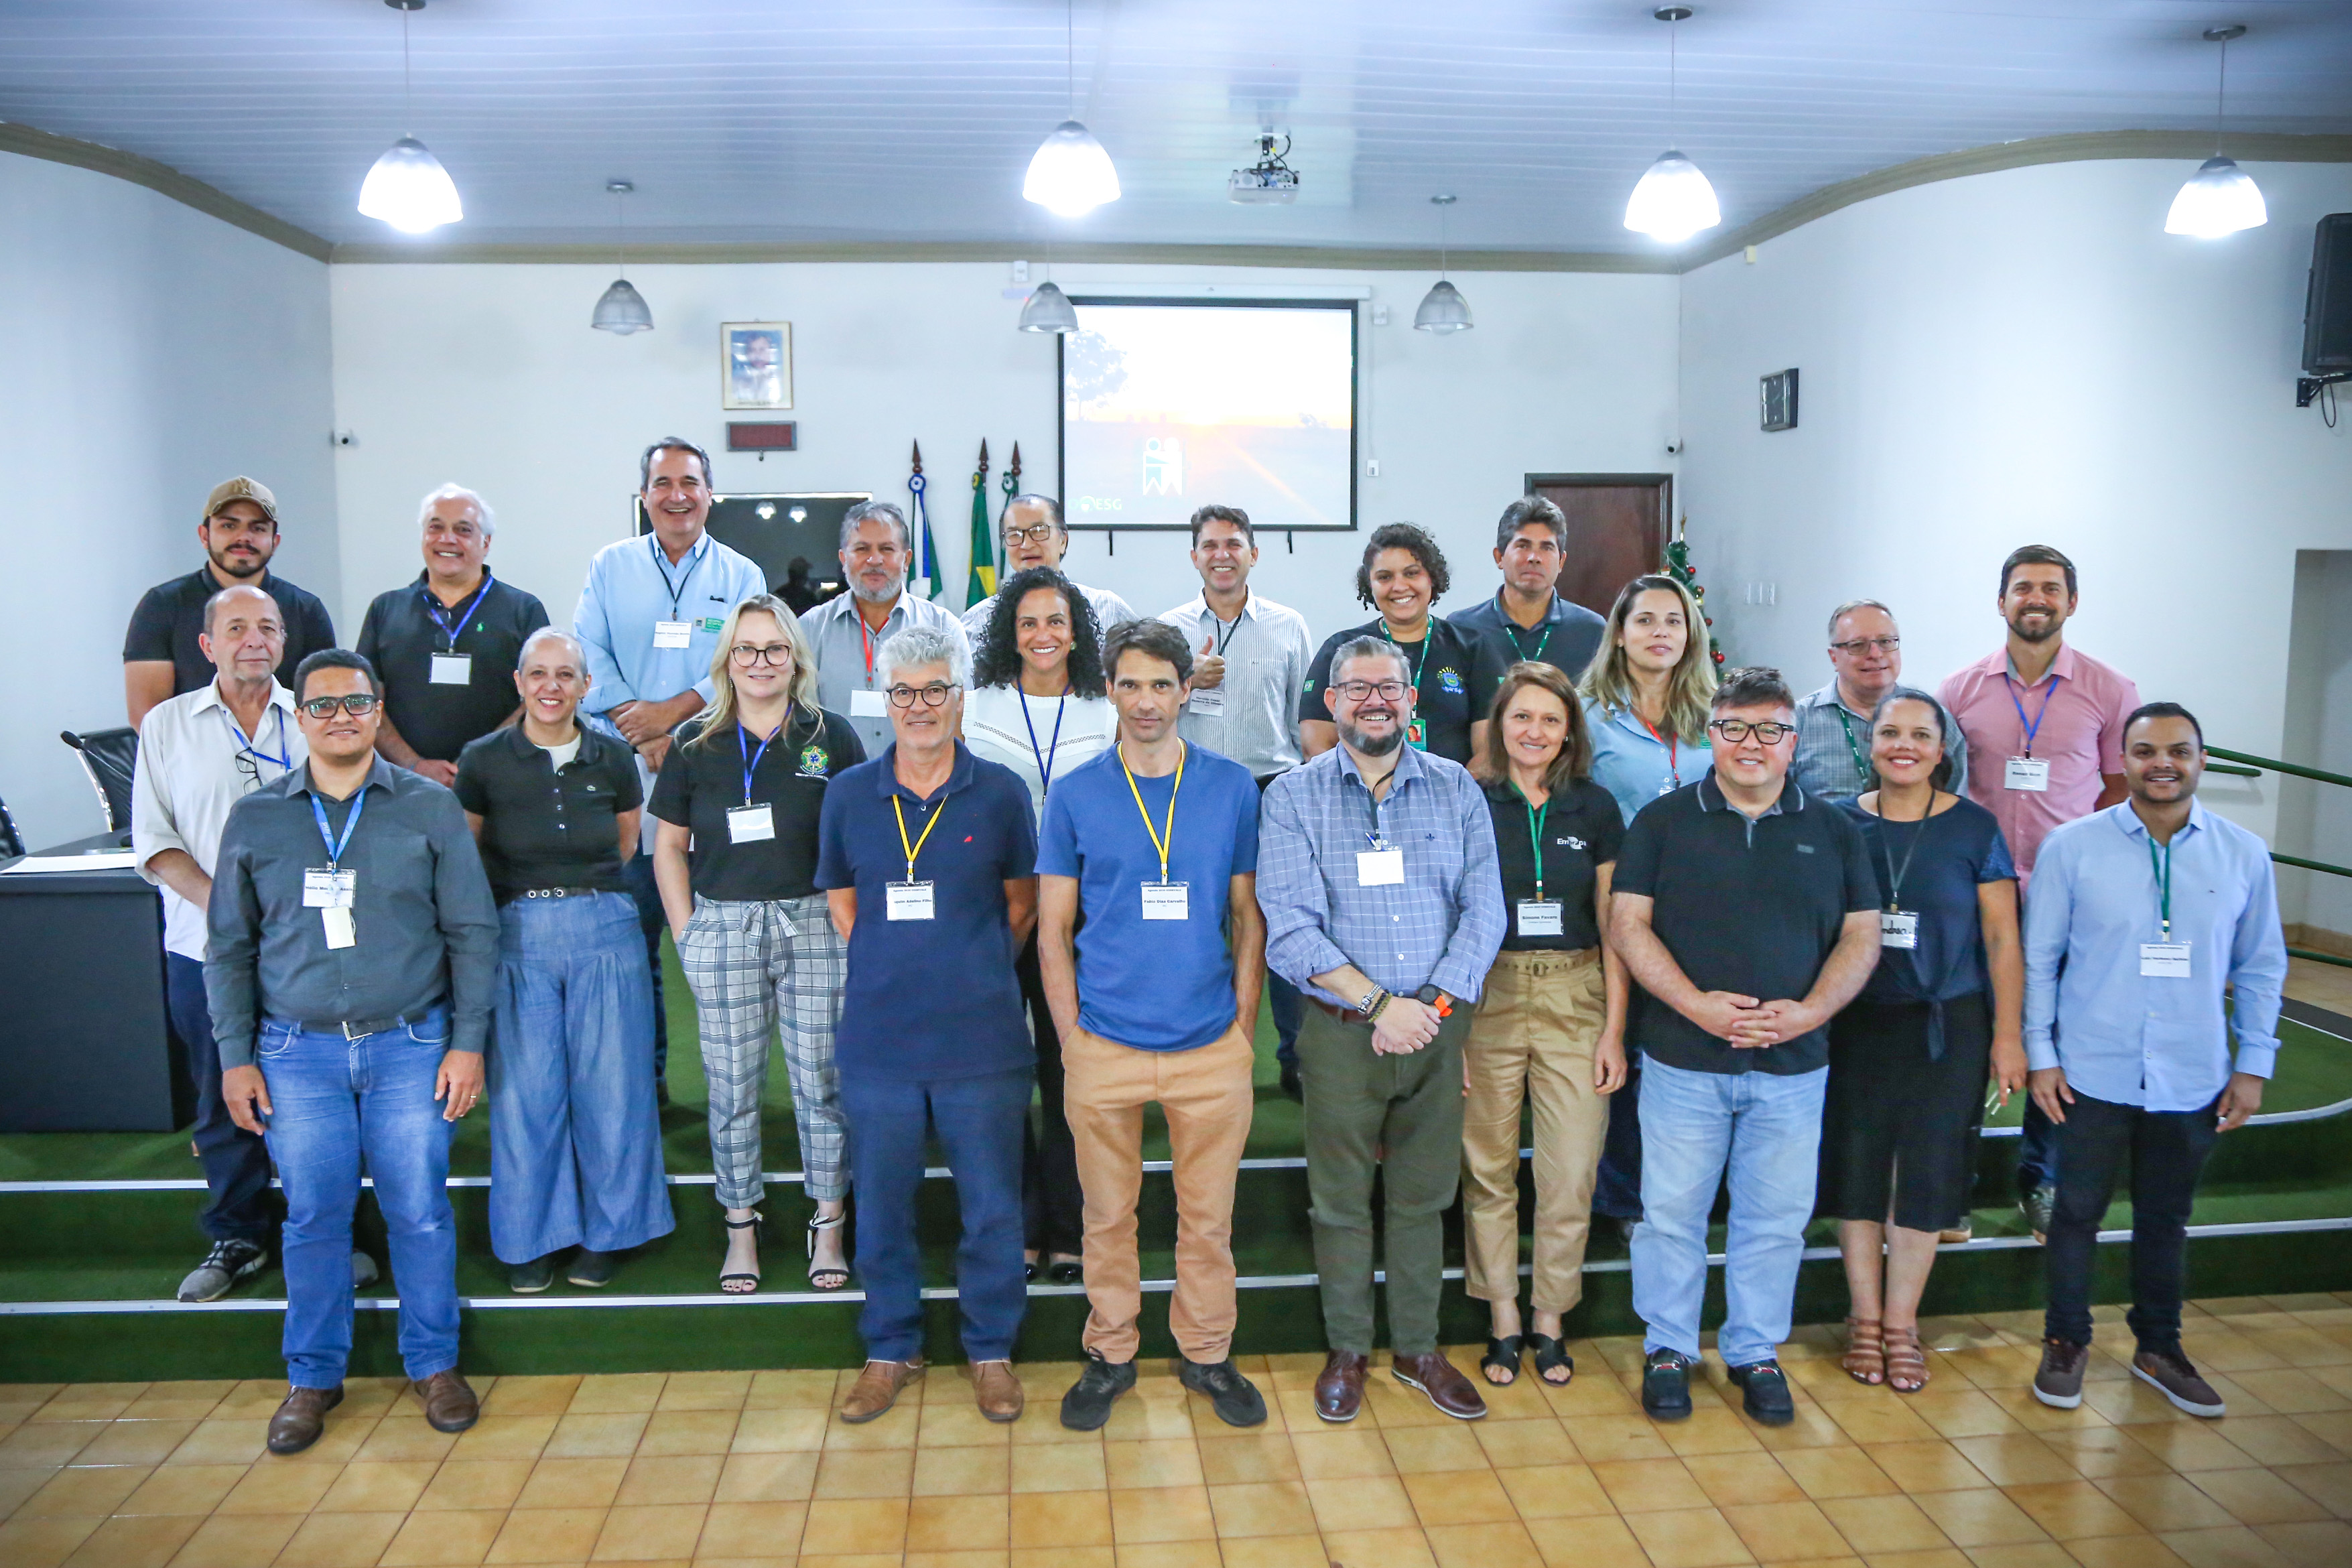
[2141, 915]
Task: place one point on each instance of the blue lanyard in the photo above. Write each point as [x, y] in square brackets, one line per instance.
[283, 762]
[678, 593]
[335, 847]
[2010, 682]
[433, 608]
[1045, 758]
[751, 757]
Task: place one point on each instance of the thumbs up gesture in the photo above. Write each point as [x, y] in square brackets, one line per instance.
[1209, 670]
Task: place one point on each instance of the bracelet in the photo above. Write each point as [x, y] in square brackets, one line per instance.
[1364, 1003]
[1372, 1014]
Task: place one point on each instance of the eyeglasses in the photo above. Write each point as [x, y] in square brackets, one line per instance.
[1875, 645]
[933, 695]
[1037, 533]
[250, 766]
[1357, 690]
[1737, 730]
[358, 704]
[746, 654]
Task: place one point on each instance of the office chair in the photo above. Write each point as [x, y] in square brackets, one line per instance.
[110, 757]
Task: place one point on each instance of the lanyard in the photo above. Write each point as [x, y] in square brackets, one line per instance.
[2010, 682]
[1863, 770]
[1045, 758]
[1894, 888]
[247, 747]
[896, 804]
[1536, 815]
[1428, 636]
[1224, 634]
[1674, 762]
[751, 757]
[335, 847]
[433, 608]
[661, 565]
[1162, 842]
[2163, 870]
[866, 638]
[1511, 630]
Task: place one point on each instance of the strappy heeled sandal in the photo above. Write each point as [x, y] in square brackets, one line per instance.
[1501, 1356]
[740, 1284]
[837, 1274]
[1866, 1352]
[1552, 1352]
[1906, 1363]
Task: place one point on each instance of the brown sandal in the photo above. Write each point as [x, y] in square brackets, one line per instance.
[1866, 1352]
[1906, 1363]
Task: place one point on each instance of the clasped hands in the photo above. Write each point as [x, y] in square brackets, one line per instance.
[1404, 1027]
[1746, 1023]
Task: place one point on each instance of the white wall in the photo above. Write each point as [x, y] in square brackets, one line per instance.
[152, 352]
[2019, 357]
[489, 375]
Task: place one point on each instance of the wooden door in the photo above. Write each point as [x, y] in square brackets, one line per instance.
[1617, 530]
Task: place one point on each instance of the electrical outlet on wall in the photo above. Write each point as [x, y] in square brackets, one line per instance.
[1021, 272]
[1372, 468]
[1380, 315]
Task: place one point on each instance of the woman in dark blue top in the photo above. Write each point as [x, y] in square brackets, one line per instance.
[1909, 1058]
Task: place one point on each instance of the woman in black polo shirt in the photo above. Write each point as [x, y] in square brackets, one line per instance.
[555, 808]
[744, 788]
[1402, 575]
[1909, 1057]
[1551, 1024]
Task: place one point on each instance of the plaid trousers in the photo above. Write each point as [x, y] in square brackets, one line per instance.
[753, 966]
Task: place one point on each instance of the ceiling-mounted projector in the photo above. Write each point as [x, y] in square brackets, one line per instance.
[1270, 182]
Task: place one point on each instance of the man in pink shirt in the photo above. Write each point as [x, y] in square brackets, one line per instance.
[2045, 728]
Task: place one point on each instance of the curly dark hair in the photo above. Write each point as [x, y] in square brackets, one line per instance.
[1403, 536]
[997, 660]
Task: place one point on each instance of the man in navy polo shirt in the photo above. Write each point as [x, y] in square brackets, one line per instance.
[1748, 915]
[1155, 842]
[927, 858]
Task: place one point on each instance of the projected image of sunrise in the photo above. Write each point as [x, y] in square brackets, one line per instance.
[1167, 407]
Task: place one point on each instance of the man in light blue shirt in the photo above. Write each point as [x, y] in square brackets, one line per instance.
[2141, 916]
[649, 622]
[848, 630]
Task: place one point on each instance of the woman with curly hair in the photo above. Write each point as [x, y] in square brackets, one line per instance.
[1039, 705]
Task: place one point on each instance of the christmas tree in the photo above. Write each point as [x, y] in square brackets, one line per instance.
[1678, 567]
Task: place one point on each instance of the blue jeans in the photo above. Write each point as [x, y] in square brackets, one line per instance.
[2037, 1152]
[334, 1102]
[638, 872]
[1617, 1186]
[1288, 1007]
[575, 1143]
[979, 1123]
[240, 1206]
[1766, 1131]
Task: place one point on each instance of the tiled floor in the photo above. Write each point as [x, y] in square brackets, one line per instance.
[751, 1467]
[2327, 985]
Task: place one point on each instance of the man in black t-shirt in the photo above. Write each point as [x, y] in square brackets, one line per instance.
[1748, 915]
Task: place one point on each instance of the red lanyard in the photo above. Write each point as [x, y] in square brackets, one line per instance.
[1673, 760]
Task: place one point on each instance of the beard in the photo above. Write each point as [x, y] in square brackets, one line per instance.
[1372, 745]
[2043, 633]
[251, 565]
[879, 595]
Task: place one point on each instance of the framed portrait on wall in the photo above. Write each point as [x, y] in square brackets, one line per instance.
[755, 364]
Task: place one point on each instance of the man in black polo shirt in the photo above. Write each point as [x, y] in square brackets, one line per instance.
[447, 644]
[1748, 915]
[160, 656]
[1528, 613]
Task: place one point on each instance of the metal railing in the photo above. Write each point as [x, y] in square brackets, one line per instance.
[2252, 766]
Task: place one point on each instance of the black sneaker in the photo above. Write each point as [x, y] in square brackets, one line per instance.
[2037, 1206]
[1087, 1405]
[227, 1265]
[530, 1278]
[1233, 1398]
[1665, 1386]
[1764, 1392]
[2060, 1381]
[2170, 1373]
[1294, 1088]
[592, 1270]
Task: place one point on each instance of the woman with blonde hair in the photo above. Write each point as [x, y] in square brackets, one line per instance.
[744, 788]
[1550, 1030]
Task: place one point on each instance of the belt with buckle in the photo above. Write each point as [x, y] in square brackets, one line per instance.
[1345, 1015]
[353, 1028]
[553, 893]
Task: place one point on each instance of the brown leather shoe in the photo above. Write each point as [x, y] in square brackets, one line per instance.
[877, 1388]
[1340, 1390]
[1439, 1378]
[998, 1391]
[449, 1402]
[301, 1418]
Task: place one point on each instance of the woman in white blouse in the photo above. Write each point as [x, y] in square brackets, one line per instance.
[1039, 706]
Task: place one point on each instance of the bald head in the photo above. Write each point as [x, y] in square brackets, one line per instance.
[244, 635]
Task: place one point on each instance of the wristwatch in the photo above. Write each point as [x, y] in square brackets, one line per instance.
[1427, 995]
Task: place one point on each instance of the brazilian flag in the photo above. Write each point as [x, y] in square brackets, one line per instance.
[982, 581]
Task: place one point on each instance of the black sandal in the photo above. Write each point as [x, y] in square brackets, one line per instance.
[1501, 1356]
[750, 1282]
[830, 1276]
[1552, 1352]
[1064, 1270]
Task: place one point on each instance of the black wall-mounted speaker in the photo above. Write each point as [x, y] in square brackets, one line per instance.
[2327, 308]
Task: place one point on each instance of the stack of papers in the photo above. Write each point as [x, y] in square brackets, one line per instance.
[94, 860]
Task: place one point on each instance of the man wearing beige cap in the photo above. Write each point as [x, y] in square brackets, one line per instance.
[161, 656]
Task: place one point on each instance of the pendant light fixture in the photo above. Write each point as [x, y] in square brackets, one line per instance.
[1443, 309]
[1070, 175]
[623, 310]
[1048, 311]
[2219, 197]
[1673, 200]
[408, 188]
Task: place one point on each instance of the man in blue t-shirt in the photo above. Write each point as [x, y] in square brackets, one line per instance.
[1153, 845]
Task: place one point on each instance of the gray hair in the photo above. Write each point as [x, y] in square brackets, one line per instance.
[1368, 648]
[1848, 607]
[552, 634]
[1031, 498]
[882, 509]
[482, 514]
[920, 646]
[213, 604]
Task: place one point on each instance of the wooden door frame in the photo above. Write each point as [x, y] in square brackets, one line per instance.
[1665, 483]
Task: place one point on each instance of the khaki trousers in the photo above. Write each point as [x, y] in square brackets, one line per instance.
[1533, 1038]
[1207, 1094]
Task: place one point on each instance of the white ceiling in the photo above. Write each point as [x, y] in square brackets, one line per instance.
[818, 121]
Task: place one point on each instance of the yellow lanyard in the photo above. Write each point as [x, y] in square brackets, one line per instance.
[896, 804]
[1158, 841]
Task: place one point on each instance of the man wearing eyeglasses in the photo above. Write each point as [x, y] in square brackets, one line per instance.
[1833, 723]
[1034, 536]
[354, 945]
[847, 631]
[1748, 912]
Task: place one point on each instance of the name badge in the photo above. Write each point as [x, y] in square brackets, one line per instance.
[906, 900]
[323, 890]
[1209, 704]
[1540, 917]
[751, 824]
[1379, 867]
[339, 930]
[866, 703]
[1418, 733]
[672, 633]
[2164, 960]
[1165, 901]
[453, 670]
[2031, 773]
[1897, 930]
